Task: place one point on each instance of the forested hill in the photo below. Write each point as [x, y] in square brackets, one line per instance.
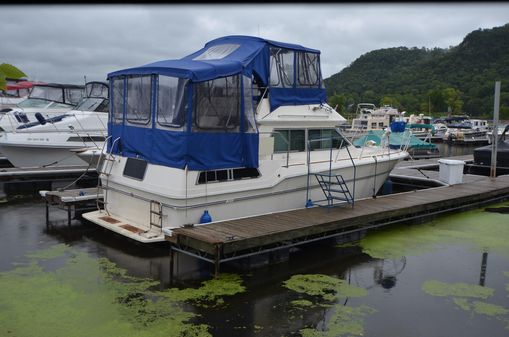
[457, 79]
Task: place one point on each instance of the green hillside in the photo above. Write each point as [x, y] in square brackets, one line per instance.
[459, 79]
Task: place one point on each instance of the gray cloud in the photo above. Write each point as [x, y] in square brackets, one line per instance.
[65, 43]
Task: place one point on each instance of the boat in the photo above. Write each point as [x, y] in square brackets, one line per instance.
[229, 131]
[464, 130]
[48, 100]
[420, 125]
[404, 140]
[482, 156]
[15, 92]
[369, 117]
[52, 142]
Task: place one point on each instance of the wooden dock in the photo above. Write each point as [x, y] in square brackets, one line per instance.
[230, 240]
[79, 200]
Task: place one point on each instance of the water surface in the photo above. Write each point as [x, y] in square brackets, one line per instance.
[446, 277]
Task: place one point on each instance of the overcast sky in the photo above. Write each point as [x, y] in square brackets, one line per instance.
[65, 43]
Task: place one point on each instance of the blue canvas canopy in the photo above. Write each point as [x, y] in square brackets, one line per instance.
[198, 111]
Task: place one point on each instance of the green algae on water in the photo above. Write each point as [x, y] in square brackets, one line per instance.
[210, 293]
[465, 296]
[327, 287]
[437, 288]
[302, 303]
[489, 309]
[482, 230]
[93, 297]
[345, 321]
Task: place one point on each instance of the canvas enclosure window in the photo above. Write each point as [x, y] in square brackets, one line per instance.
[73, 96]
[117, 107]
[171, 102]
[96, 90]
[281, 68]
[249, 108]
[217, 52]
[139, 99]
[217, 104]
[308, 66]
[47, 93]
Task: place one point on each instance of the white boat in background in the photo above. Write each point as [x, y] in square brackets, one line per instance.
[466, 130]
[51, 143]
[16, 91]
[369, 117]
[227, 132]
[47, 100]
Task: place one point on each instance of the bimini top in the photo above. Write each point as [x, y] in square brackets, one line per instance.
[208, 99]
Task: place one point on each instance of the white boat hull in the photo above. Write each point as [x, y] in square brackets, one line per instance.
[129, 201]
[51, 150]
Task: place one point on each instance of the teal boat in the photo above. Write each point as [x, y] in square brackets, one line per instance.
[416, 147]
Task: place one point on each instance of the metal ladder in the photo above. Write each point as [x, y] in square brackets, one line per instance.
[104, 167]
[334, 188]
[156, 215]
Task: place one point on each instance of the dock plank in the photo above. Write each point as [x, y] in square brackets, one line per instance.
[246, 233]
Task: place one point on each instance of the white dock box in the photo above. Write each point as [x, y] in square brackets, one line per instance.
[451, 171]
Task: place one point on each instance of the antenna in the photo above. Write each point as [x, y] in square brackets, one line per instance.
[85, 77]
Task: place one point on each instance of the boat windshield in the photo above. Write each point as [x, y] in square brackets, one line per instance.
[41, 103]
[93, 104]
[96, 89]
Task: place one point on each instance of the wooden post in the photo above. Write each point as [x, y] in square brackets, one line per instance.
[494, 146]
[47, 214]
[172, 258]
[69, 215]
[217, 260]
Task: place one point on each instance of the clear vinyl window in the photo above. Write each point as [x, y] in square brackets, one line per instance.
[217, 105]
[171, 102]
[139, 99]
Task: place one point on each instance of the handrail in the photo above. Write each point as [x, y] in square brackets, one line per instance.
[331, 138]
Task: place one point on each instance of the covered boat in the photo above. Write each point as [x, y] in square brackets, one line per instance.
[232, 130]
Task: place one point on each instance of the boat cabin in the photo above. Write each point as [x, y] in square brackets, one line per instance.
[199, 111]
[53, 95]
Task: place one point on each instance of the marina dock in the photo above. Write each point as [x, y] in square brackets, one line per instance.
[77, 200]
[226, 241]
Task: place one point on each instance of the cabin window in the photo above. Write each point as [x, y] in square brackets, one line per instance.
[281, 68]
[171, 101]
[217, 52]
[320, 139]
[289, 140]
[217, 104]
[139, 99]
[227, 175]
[117, 107]
[308, 70]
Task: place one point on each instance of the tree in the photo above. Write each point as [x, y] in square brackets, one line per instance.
[9, 71]
[452, 100]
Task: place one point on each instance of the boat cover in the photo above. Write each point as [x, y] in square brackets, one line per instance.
[246, 56]
[396, 140]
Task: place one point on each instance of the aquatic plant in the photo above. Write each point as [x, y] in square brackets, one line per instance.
[345, 321]
[94, 297]
[324, 286]
[482, 230]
